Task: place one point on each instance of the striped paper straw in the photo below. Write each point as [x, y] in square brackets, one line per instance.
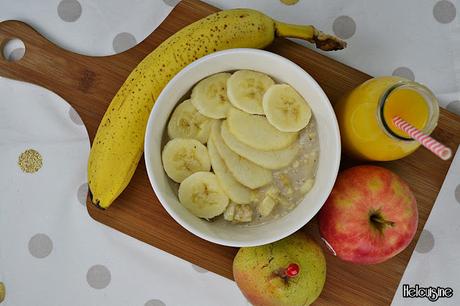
[427, 141]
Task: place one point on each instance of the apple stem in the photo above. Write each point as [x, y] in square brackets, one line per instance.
[379, 222]
[382, 221]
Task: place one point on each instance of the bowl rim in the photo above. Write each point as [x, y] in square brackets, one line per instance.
[152, 178]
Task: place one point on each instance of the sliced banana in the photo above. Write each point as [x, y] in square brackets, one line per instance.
[268, 159]
[246, 172]
[187, 122]
[285, 108]
[246, 88]
[182, 157]
[234, 190]
[205, 129]
[202, 195]
[209, 96]
[256, 132]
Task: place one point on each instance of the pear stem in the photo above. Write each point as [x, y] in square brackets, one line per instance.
[292, 270]
[309, 33]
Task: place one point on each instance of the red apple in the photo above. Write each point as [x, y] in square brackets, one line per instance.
[370, 216]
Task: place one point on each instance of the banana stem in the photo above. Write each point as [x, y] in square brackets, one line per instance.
[309, 33]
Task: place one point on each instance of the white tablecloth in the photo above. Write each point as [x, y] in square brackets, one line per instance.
[53, 253]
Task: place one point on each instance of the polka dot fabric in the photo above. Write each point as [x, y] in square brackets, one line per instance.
[404, 72]
[90, 26]
[154, 303]
[426, 242]
[444, 11]
[434, 261]
[40, 246]
[344, 27]
[98, 277]
[56, 252]
[415, 39]
[69, 10]
[123, 41]
[454, 106]
[457, 193]
[382, 38]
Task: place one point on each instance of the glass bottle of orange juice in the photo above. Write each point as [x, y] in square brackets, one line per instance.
[365, 117]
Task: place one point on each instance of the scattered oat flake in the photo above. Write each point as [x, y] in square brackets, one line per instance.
[30, 161]
[2, 292]
[289, 2]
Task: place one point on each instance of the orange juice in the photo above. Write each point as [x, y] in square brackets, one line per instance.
[409, 105]
[365, 117]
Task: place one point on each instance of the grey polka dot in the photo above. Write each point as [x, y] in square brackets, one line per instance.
[123, 41]
[199, 269]
[98, 277]
[457, 193]
[154, 303]
[40, 246]
[425, 242]
[171, 2]
[344, 27]
[74, 116]
[69, 10]
[82, 193]
[444, 11]
[16, 55]
[404, 72]
[454, 107]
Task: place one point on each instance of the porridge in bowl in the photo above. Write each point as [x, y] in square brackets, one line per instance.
[241, 149]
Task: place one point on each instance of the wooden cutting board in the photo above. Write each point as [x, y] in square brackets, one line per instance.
[89, 83]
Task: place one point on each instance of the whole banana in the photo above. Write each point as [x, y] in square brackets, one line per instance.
[118, 144]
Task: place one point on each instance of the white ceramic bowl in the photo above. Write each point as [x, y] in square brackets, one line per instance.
[281, 70]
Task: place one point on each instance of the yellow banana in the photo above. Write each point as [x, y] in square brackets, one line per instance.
[118, 145]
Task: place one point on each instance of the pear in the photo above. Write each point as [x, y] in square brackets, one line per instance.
[289, 272]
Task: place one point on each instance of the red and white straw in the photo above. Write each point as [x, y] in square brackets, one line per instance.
[427, 141]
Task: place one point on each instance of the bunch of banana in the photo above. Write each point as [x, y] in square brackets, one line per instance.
[118, 144]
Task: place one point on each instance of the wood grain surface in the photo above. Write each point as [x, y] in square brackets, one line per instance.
[89, 83]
